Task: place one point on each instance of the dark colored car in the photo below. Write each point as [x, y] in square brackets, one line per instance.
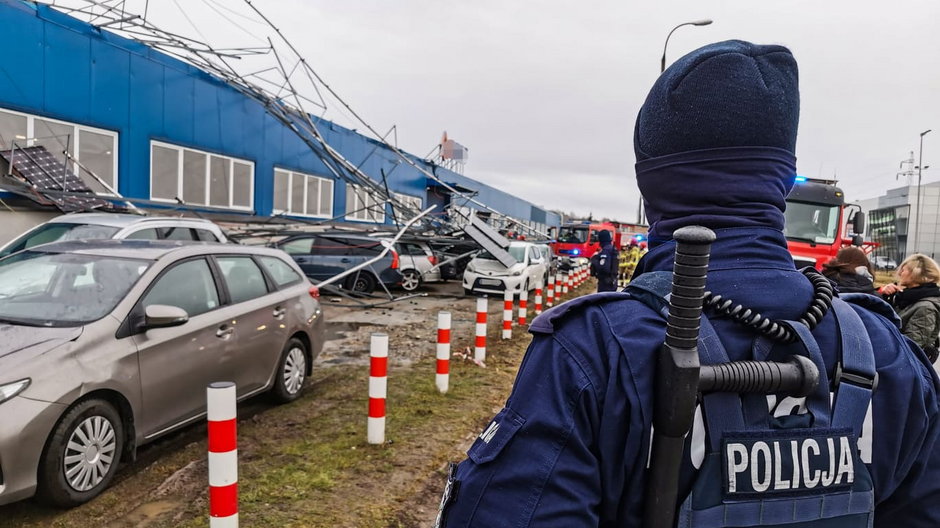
[325, 255]
[459, 252]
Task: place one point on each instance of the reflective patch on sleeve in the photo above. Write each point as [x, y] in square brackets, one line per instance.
[757, 464]
[495, 436]
[450, 494]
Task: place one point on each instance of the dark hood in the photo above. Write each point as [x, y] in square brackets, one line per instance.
[16, 338]
[716, 188]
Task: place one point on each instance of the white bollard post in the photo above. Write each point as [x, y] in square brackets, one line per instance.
[442, 377]
[550, 291]
[558, 285]
[507, 315]
[479, 351]
[378, 388]
[538, 298]
[523, 306]
[223, 455]
[565, 283]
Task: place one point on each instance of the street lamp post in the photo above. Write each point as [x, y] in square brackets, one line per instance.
[920, 170]
[662, 62]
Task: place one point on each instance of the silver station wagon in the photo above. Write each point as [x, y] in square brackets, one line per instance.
[107, 344]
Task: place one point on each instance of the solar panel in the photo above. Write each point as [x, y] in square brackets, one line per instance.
[490, 239]
[44, 172]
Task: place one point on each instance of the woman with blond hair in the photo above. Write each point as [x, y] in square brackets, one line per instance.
[916, 298]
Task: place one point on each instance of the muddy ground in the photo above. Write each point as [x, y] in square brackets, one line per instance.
[307, 463]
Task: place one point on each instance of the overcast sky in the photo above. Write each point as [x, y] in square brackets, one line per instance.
[545, 93]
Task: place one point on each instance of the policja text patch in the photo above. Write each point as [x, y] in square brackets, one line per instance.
[788, 462]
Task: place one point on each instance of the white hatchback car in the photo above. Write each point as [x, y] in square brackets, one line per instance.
[87, 226]
[485, 274]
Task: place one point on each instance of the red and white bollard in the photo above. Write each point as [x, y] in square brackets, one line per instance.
[549, 292]
[378, 388]
[571, 281]
[507, 315]
[442, 379]
[479, 350]
[565, 283]
[223, 455]
[538, 298]
[523, 306]
[558, 285]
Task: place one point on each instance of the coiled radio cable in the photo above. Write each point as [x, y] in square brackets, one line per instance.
[821, 303]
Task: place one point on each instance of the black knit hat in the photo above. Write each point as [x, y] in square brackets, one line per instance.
[604, 237]
[727, 94]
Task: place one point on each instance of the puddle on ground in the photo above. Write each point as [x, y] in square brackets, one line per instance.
[338, 330]
[144, 514]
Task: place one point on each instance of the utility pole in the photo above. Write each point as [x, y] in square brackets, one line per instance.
[920, 169]
[911, 225]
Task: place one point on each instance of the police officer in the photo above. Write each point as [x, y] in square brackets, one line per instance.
[715, 143]
[604, 264]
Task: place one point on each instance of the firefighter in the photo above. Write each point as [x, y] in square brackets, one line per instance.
[604, 264]
[630, 260]
[715, 143]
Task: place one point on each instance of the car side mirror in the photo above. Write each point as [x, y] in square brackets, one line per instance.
[858, 240]
[163, 316]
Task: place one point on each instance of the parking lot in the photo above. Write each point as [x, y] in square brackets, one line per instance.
[307, 463]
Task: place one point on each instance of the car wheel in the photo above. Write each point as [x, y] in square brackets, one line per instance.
[362, 282]
[291, 372]
[82, 454]
[467, 291]
[410, 280]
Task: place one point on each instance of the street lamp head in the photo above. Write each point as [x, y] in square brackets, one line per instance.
[704, 22]
[924, 133]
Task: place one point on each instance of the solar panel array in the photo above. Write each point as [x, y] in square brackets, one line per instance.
[44, 172]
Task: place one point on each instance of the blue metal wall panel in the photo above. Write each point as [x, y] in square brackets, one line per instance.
[110, 85]
[66, 66]
[179, 105]
[206, 121]
[145, 121]
[21, 75]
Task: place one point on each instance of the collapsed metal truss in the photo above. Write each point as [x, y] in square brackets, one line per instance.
[285, 85]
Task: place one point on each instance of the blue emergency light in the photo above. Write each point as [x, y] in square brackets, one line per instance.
[799, 179]
[575, 251]
[640, 238]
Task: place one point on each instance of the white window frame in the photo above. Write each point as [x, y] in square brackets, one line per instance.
[362, 213]
[416, 202]
[76, 138]
[290, 191]
[180, 150]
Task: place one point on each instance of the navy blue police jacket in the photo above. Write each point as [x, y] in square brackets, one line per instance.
[604, 265]
[570, 447]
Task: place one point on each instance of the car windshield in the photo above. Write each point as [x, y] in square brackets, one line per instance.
[809, 222]
[53, 232]
[63, 289]
[573, 235]
[517, 252]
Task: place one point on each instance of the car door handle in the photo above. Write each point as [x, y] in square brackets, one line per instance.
[279, 312]
[224, 331]
[345, 260]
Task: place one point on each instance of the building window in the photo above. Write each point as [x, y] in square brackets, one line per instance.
[411, 205]
[296, 193]
[200, 178]
[94, 149]
[363, 205]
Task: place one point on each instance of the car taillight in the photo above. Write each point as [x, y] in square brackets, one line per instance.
[314, 292]
[394, 259]
[433, 260]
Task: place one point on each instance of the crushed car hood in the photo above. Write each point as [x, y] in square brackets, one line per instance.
[16, 338]
[492, 267]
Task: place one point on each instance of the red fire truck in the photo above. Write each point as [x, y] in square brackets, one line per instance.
[579, 239]
[819, 222]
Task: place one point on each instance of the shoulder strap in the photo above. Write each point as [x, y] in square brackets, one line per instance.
[855, 377]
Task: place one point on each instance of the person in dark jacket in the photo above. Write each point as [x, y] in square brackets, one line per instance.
[851, 271]
[916, 298]
[715, 143]
[604, 263]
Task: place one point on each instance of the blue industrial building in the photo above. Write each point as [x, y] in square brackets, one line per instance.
[155, 128]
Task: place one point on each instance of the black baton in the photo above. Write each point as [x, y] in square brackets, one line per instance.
[677, 374]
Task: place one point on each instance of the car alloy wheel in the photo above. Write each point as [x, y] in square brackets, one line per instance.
[295, 370]
[89, 453]
[410, 280]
